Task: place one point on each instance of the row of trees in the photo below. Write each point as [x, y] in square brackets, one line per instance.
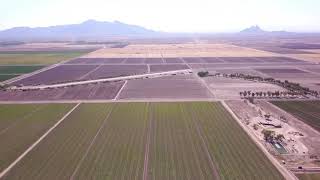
[293, 88]
[267, 94]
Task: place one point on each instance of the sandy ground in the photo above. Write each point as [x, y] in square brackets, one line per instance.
[179, 50]
[308, 57]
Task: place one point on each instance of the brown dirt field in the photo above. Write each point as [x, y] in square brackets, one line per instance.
[308, 57]
[180, 50]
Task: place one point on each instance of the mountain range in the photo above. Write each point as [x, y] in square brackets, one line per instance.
[87, 29]
[99, 30]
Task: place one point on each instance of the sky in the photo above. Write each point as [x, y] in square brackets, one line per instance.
[168, 15]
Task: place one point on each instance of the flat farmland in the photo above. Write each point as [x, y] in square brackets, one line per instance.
[61, 73]
[96, 61]
[202, 141]
[179, 50]
[109, 71]
[4, 77]
[173, 60]
[306, 111]
[119, 149]
[22, 125]
[164, 88]
[167, 67]
[38, 57]
[154, 61]
[196, 140]
[8, 72]
[101, 91]
[18, 69]
[58, 155]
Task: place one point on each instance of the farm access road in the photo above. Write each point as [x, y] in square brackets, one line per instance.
[149, 75]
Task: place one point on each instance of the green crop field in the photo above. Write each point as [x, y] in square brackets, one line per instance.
[22, 125]
[18, 69]
[38, 57]
[118, 152]
[198, 140]
[307, 111]
[4, 77]
[58, 155]
[308, 176]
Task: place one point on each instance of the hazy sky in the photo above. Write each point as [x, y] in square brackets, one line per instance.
[167, 15]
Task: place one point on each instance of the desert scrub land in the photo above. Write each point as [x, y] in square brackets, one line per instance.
[307, 111]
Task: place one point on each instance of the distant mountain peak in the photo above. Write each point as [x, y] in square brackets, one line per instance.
[253, 30]
[89, 28]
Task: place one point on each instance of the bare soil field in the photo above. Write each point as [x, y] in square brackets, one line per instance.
[101, 91]
[96, 61]
[134, 61]
[173, 60]
[226, 88]
[154, 61]
[276, 70]
[179, 50]
[108, 71]
[164, 88]
[61, 73]
[167, 67]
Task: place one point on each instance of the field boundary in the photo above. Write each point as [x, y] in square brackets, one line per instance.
[91, 144]
[5, 171]
[147, 145]
[120, 90]
[285, 172]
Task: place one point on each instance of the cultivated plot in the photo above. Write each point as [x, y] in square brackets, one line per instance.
[59, 74]
[119, 149]
[4, 77]
[96, 61]
[109, 71]
[100, 91]
[167, 67]
[165, 88]
[22, 125]
[58, 155]
[38, 57]
[198, 140]
[307, 111]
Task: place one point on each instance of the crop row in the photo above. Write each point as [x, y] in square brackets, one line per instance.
[146, 141]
